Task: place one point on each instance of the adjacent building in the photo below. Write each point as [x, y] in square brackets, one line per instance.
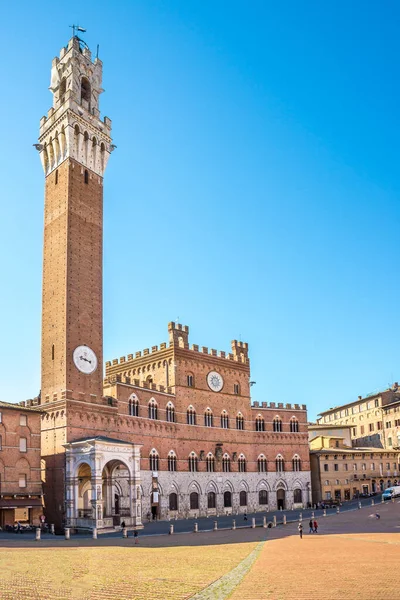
[20, 466]
[374, 420]
[171, 430]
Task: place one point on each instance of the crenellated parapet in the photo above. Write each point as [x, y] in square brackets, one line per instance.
[115, 379]
[178, 339]
[278, 406]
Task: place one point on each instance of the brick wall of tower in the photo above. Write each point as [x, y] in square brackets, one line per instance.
[72, 279]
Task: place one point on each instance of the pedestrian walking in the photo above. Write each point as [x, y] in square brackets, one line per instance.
[300, 528]
[245, 516]
[136, 536]
[311, 525]
[315, 526]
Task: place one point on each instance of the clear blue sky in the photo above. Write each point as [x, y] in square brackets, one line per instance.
[254, 191]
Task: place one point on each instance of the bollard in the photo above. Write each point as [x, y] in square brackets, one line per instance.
[253, 523]
[52, 531]
[312, 515]
[392, 498]
[284, 519]
[264, 521]
[124, 532]
[196, 528]
[274, 522]
[301, 517]
[382, 500]
[324, 513]
[215, 525]
[67, 533]
[37, 534]
[171, 529]
[372, 502]
[359, 505]
[233, 524]
[94, 533]
[337, 510]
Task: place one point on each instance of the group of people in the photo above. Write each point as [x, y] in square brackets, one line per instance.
[313, 525]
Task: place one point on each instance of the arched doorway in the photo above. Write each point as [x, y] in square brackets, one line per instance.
[85, 509]
[280, 499]
[116, 492]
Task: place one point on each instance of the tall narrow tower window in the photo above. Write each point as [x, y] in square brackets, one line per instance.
[56, 177]
[86, 176]
[85, 93]
[63, 89]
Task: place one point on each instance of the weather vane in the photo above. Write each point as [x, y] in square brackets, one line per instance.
[77, 28]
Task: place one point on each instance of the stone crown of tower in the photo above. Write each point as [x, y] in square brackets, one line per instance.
[72, 127]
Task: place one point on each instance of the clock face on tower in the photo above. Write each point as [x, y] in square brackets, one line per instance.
[215, 381]
[85, 360]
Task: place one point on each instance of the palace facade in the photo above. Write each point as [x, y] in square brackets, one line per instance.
[171, 430]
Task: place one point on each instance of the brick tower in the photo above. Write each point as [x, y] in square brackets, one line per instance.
[74, 148]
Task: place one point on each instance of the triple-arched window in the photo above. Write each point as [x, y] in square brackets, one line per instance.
[210, 463]
[208, 418]
[133, 405]
[172, 462]
[191, 416]
[260, 423]
[153, 460]
[296, 462]
[239, 421]
[226, 463]
[153, 410]
[277, 424]
[294, 425]
[224, 420]
[280, 464]
[193, 463]
[262, 464]
[170, 412]
[242, 464]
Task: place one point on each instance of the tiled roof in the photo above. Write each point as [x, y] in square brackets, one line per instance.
[20, 407]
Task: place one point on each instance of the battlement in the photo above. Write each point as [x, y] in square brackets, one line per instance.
[278, 406]
[240, 348]
[179, 337]
[114, 379]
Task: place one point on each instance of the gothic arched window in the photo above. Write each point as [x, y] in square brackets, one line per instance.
[153, 460]
[239, 421]
[262, 464]
[191, 416]
[260, 423]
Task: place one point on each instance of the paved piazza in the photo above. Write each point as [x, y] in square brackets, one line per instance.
[354, 556]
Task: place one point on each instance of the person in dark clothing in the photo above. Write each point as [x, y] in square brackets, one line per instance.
[245, 517]
[136, 536]
[123, 524]
[311, 526]
[300, 528]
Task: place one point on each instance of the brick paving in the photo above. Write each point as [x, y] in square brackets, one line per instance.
[352, 557]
